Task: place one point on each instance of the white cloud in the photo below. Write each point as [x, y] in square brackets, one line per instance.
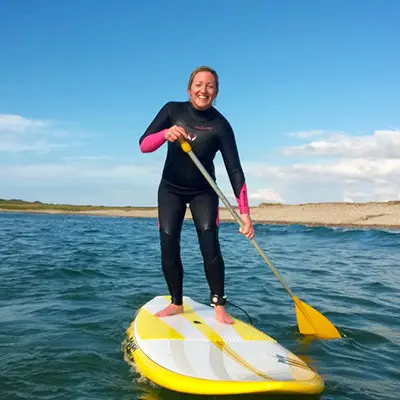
[382, 144]
[359, 169]
[11, 123]
[21, 135]
[77, 172]
[363, 168]
[376, 193]
[265, 195]
[305, 134]
[346, 168]
[85, 158]
[36, 146]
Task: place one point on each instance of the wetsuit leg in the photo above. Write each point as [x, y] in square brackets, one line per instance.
[171, 212]
[204, 209]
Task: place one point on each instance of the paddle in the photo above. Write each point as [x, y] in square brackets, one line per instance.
[309, 320]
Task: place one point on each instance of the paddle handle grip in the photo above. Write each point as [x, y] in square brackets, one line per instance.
[185, 145]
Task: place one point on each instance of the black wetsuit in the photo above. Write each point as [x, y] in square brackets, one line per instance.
[182, 183]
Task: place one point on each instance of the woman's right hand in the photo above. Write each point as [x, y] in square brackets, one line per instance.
[174, 133]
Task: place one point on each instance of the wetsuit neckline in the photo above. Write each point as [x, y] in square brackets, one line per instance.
[201, 115]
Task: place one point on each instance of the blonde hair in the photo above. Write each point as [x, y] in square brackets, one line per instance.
[203, 68]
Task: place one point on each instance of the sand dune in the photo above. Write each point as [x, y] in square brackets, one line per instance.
[379, 215]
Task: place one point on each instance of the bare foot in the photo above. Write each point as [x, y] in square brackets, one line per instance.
[222, 316]
[172, 309]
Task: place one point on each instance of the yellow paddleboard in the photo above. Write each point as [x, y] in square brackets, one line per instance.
[194, 353]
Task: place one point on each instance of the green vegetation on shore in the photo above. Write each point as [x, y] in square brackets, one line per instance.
[21, 205]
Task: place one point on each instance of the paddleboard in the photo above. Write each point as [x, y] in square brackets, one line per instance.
[194, 353]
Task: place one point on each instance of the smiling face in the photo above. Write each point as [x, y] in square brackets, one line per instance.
[203, 90]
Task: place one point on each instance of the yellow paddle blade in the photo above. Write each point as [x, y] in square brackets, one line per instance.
[312, 322]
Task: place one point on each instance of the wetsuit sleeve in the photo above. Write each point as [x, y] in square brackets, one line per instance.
[153, 137]
[233, 167]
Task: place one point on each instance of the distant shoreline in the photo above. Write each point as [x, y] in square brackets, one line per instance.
[360, 215]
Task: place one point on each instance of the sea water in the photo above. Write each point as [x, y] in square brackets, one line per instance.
[70, 286]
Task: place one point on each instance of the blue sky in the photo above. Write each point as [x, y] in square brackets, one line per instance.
[311, 89]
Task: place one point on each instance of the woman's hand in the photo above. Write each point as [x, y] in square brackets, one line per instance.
[174, 133]
[248, 229]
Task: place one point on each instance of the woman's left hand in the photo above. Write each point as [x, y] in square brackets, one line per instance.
[248, 229]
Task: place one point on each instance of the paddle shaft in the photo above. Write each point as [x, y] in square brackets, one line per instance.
[187, 149]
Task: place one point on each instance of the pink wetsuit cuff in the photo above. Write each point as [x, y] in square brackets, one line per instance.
[242, 201]
[153, 142]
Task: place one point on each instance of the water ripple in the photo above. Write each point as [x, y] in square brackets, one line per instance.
[71, 285]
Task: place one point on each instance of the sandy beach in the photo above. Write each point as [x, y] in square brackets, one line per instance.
[367, 215]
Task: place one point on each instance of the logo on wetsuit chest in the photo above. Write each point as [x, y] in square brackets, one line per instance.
[193, 136]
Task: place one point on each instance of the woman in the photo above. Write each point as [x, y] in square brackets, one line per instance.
[182, 183]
